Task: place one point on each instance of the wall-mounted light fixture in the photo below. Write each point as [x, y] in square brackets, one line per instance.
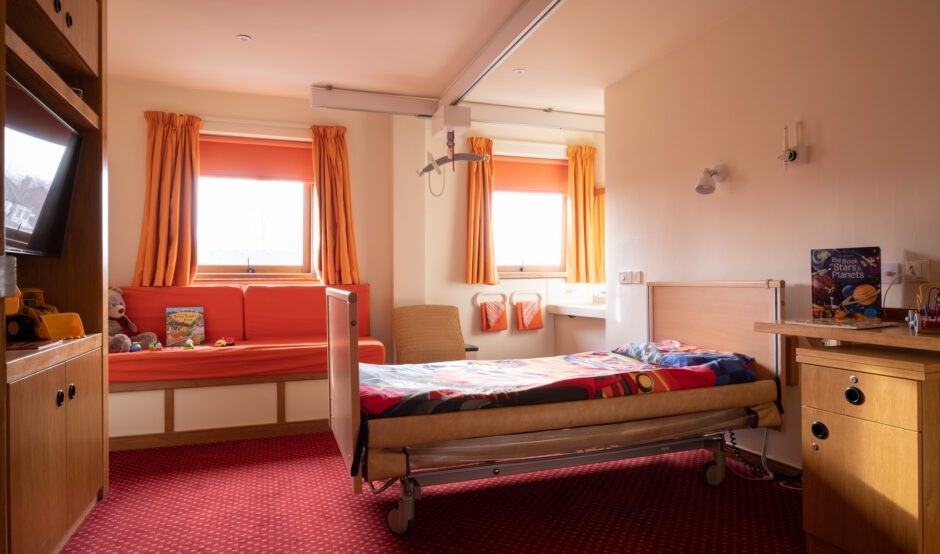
[710, 176]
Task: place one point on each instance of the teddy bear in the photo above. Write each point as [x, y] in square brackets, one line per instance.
[122, 332]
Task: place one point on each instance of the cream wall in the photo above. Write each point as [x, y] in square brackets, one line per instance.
[409, 207]
[863, 77]
[579, 334]
[446, 247]
[370, 156]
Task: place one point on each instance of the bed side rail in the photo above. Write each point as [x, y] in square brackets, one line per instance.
[343, 373]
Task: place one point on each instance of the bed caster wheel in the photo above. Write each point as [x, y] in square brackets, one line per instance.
[393, 519]
[713, 475]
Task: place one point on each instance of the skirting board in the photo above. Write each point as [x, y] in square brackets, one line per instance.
[204, 436]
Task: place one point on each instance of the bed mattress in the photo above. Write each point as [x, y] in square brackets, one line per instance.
[468, 385]
[398, 432]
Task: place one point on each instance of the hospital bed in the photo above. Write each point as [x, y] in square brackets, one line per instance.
[417, 451]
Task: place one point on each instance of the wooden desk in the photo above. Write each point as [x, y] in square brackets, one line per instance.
[895, 337]
[870, 439]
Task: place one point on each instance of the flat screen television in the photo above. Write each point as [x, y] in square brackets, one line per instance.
[40, 158]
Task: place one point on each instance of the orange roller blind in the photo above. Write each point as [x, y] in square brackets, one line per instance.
[530, 174]
[255, 158]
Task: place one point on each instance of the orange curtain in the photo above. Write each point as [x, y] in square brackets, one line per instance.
[166, 254]
[582, 266]
[481, 254]
[337, 263]
[600, 207]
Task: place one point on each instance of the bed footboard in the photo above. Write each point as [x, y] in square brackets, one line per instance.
[343, 372]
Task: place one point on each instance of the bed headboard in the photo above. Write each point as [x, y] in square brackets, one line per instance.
[720, 315]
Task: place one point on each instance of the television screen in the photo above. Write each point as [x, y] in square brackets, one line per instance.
[40, 155]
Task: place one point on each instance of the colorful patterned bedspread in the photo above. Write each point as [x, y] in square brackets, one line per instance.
[636, 368]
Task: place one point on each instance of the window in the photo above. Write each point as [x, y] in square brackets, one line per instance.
[529, 231]
[530, 216]
[254, 209]
[246, 223]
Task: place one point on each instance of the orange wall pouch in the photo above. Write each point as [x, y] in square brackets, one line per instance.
[494, 316]
[528, 312]
[493, 313]
[529, 315]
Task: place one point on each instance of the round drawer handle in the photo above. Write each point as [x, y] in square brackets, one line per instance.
[819, 430]
[68, 19]
[854, 395]
[57, 5]
[853, 379]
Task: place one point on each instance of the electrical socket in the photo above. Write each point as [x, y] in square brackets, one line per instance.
[917, 271]
[891, 272]
[630, 277]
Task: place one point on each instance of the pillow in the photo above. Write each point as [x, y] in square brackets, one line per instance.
[729, 367]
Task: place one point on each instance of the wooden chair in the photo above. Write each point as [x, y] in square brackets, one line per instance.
[427, 333]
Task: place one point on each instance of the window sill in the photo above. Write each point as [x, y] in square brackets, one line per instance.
[533, 275]
[256, 278]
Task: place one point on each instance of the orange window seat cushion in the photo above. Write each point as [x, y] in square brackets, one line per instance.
[250, 357]
[288, 311]
[224, 308]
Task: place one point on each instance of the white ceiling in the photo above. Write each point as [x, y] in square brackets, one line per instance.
[587, 45]
[413, 47]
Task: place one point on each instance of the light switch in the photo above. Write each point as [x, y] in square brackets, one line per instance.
[626, 277]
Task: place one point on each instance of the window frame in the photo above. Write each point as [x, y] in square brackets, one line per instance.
[304, 272]
[540, 271]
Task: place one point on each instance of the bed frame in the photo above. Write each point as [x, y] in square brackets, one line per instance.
[716, 315]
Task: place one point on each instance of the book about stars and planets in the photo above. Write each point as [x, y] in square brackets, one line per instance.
[847, 284]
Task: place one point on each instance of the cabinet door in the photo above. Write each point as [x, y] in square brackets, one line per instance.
[53, 9]
[38, 511]
[80, 26]
[85, 451]
[860, 484]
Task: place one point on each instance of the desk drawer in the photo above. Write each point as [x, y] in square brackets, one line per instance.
[877, 398]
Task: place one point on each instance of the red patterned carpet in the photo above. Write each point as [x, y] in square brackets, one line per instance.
[290, 495]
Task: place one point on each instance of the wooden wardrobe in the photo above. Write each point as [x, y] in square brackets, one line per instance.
[53, 436]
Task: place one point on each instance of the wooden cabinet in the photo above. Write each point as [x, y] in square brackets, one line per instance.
[65, 32]
[38, 489]
[56, 451]
[84, 432]
[871, 454]
[80, 26]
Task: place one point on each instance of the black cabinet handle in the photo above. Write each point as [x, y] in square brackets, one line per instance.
[68, 19]
[819, 430]
[854, 395]
[57, 5]
[72, 391]
[59, 397]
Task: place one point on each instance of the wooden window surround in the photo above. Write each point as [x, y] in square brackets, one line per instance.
[534, 175]
[264, 160]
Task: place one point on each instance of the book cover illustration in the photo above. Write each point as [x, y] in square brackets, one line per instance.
[847, 283]
[183, 324]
